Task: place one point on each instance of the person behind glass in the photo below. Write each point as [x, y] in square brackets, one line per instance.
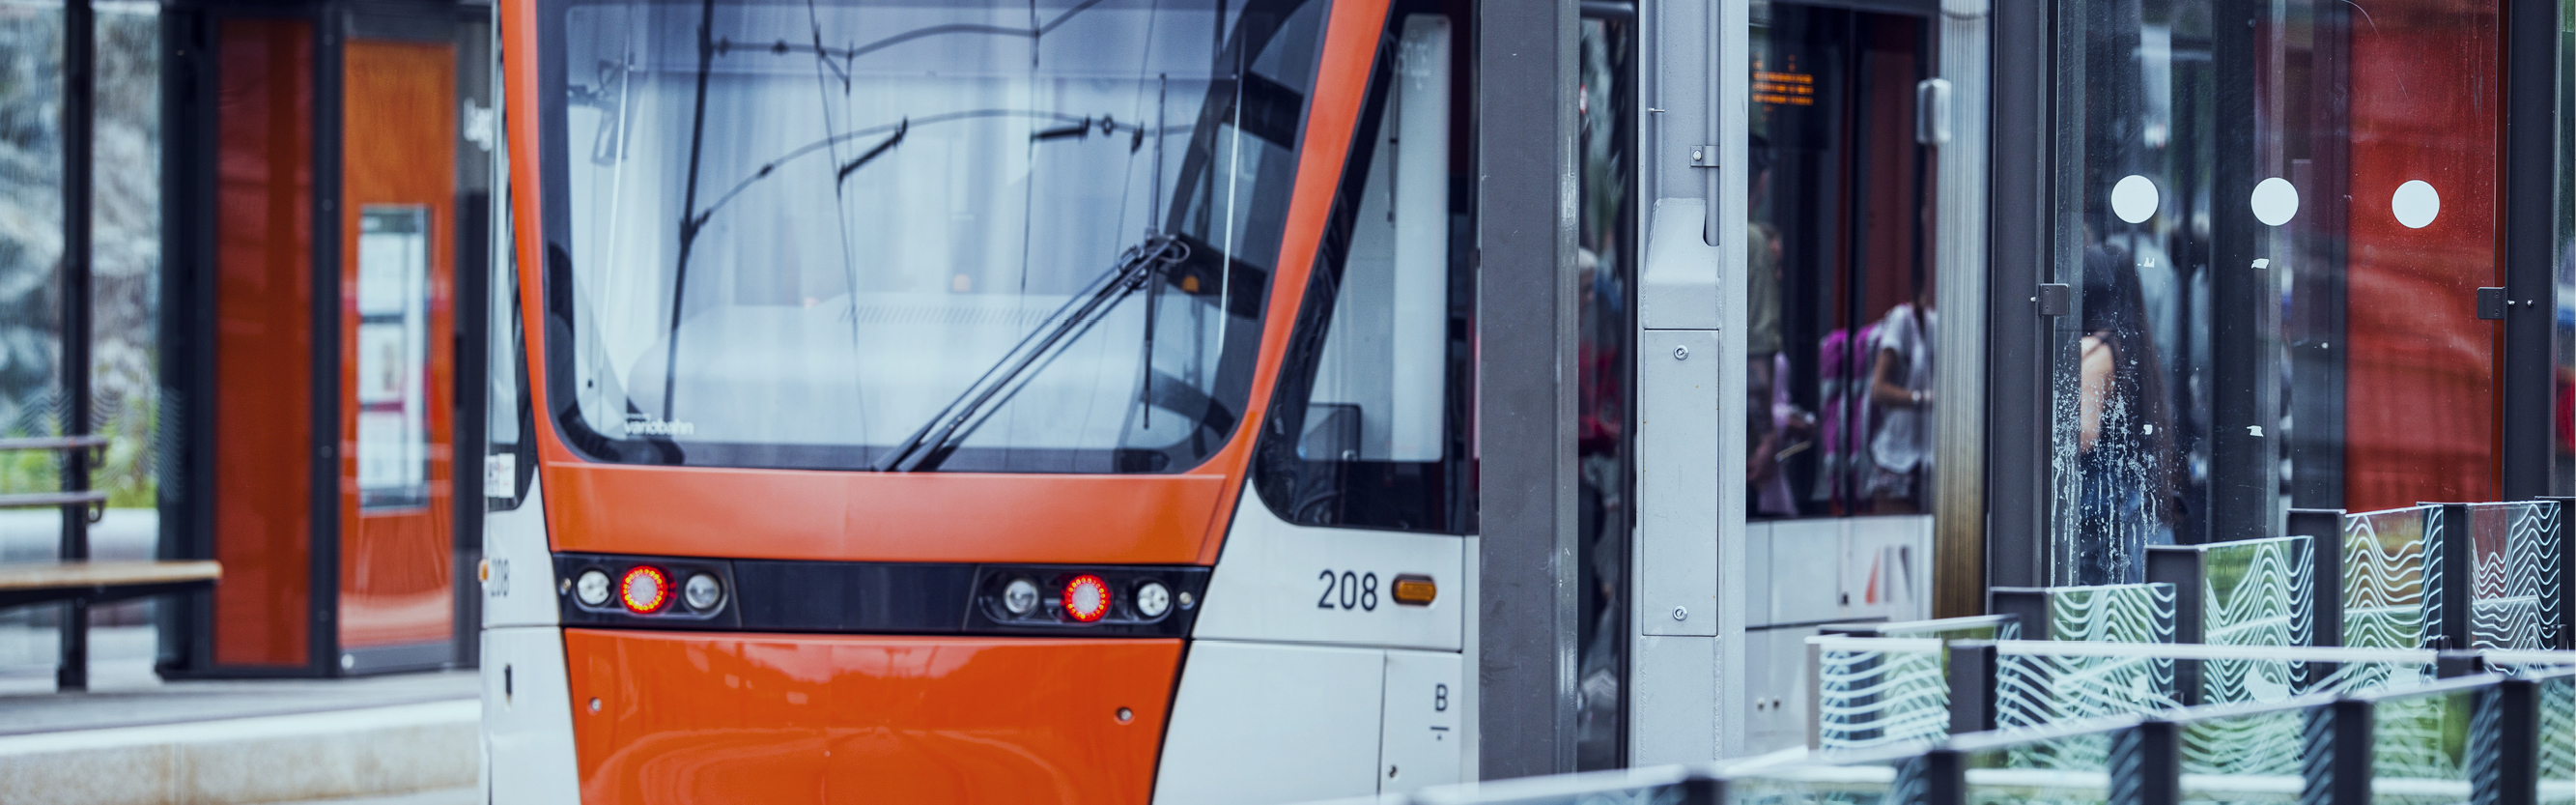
[1766, 430]
[1900, 386]
[2124, 434]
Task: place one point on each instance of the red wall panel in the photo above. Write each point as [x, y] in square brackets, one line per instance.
[2419, 395]
[263, 406]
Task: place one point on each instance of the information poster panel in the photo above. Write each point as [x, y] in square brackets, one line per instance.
[393, 357]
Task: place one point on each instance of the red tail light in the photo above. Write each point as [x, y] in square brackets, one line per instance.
[1086, 598]
[645, 590]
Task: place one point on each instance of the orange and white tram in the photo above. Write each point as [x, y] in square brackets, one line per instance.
[982, 401]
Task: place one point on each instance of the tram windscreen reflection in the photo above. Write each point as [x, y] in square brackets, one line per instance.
[930, 236]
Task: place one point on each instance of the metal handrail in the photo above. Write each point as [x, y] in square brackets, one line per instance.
[46, 500]
[94, 500]
[53, 442]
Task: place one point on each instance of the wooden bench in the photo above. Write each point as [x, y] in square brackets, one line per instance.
[75, 579]
[23, 583]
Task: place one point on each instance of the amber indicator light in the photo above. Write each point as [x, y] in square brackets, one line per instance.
[1415, 590]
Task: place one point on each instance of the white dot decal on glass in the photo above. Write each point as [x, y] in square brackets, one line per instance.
[2275, 201]
[2415, 204]
[2133, 199]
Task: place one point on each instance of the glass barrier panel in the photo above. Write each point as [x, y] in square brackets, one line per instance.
[2383, 579]
[2036, 689]
[1880, 692]
[2255, 593]
[2063, 770]
[1856, 784]
[2558, 739]
[2245, 757]
[2514, 577]
[2419, 747]
[2118, 613]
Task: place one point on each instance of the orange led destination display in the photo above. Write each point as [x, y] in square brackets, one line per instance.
[1786, 89]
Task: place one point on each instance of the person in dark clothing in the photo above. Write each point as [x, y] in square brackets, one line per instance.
[2124, 435]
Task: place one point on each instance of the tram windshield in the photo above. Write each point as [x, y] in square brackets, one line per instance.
[961, 235]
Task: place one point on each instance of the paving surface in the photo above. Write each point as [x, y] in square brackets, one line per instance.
[177, 702]
[403, 739]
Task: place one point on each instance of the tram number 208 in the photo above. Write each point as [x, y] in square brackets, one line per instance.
[1347, 590]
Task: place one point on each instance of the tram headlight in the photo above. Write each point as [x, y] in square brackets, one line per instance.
[1153, 599]
[702, 592]
[591, 587]
[1020, 597]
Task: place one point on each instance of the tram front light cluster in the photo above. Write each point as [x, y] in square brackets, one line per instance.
[1057, 597]
[653, 588]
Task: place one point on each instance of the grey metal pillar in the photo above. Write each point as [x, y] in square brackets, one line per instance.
[1686, 694]
[1525, 403]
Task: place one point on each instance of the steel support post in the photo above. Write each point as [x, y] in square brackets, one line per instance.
[2017, 351]
[80, 45]
[2530, 210]
[1525, 403]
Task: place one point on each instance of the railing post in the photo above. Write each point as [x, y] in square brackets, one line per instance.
[2187, 570]
[1936, 777]
[2504, 744]
[2561, 592]
[2335, 761]
[2449, 577]
[2324, 530]
[1972, 686]
[2146, 764]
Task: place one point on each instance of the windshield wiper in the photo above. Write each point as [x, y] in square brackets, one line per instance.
[1141, 266]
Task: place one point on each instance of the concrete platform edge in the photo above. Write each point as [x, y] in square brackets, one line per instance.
[374, 751]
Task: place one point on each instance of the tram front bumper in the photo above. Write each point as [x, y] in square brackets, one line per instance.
[730, 717]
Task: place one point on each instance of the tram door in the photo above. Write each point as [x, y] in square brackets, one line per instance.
[326, 339]
[1839, 339]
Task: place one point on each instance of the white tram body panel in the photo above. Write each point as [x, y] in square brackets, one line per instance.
[1302, 685]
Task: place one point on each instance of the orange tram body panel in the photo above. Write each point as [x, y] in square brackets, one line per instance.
[872, 707]
[755, 719]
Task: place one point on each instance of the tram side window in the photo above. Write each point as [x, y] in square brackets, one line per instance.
[1372, 434]
[1839, 381]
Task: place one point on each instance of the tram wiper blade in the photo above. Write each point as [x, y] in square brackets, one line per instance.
[872, 154]
[931, 445]
[1080, 128]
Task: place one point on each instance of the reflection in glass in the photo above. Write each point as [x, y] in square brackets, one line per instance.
[1840, 372]
[1606, 262]
[959, 236]
[2236, 353]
